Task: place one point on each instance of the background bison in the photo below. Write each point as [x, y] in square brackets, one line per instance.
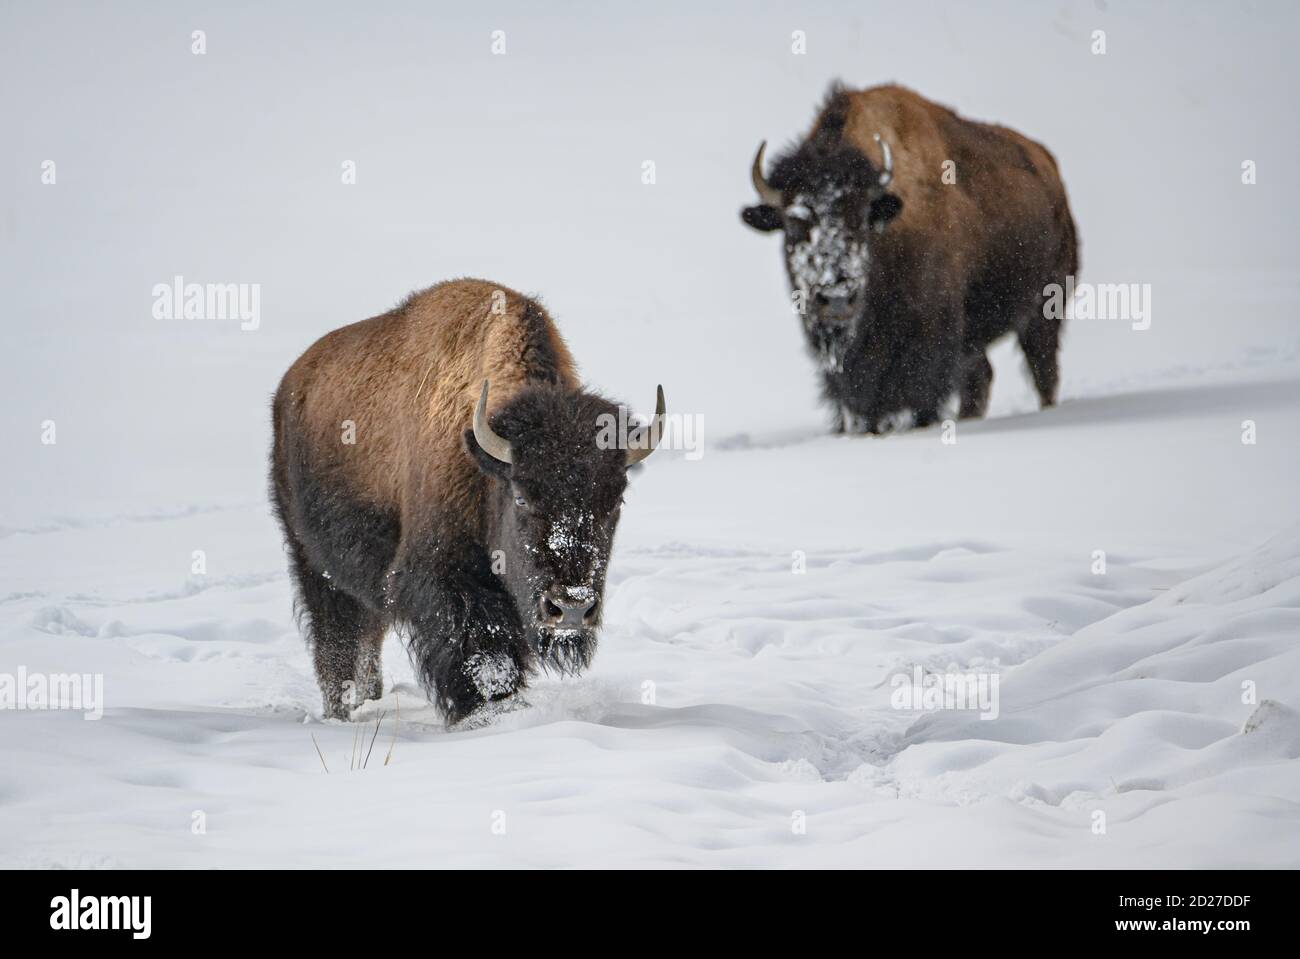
[479, 521]
[913, 239]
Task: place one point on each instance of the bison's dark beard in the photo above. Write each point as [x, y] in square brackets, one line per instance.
[563, 652]
[829, 342]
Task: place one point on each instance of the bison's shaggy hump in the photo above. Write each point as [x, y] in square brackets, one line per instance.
[409, 379]
[1003, 174]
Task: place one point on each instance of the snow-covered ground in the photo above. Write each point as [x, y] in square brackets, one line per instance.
[732, 694]
[764, 600]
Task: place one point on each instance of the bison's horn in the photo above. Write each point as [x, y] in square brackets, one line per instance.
[768, 194]
[886, 172]
[647, 438]
[495, 446]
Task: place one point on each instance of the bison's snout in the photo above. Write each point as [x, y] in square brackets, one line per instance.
[568, 607]
[837, 307]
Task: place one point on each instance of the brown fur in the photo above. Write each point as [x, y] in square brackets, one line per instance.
[1008, 186]
[409, 380]
[1006, 178]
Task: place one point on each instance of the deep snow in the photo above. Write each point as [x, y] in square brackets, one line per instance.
[732, 698]
[1120, 693]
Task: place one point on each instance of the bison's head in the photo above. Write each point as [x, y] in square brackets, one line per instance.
[555, 491]
[830, 200]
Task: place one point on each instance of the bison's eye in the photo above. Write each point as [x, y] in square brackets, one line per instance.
[520, 501]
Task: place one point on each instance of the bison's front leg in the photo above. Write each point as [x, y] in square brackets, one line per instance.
[346, 638]
[465, 639]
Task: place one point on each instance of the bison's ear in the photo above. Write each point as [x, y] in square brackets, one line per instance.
[762, 217]
[883, 209]
[488, 463]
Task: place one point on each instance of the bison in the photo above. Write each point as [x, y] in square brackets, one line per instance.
[440, 469]
[913, 239]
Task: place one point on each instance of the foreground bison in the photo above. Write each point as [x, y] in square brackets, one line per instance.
[437, 468]
[913, 239]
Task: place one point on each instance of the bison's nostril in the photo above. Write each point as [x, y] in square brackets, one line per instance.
[558, 608]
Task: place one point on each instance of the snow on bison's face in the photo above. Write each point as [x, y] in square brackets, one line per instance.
[557, 482]
[829, 205]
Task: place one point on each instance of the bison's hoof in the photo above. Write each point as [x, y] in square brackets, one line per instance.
[489, 712]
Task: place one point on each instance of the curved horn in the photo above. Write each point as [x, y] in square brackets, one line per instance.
[768, 194]
[495, 446]
[887, 172]
[650, 435]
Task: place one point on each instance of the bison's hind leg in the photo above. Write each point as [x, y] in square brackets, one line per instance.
[976, 385]
[346, 639]
[1040, 341]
